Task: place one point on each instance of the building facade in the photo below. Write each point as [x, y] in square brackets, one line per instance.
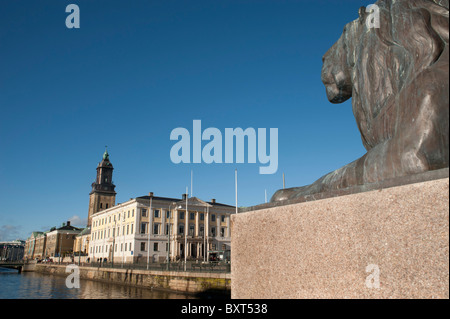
[12, 250]
[81, 243]
[59, 241]
[160, 228]
[35, 245]
[31, 245]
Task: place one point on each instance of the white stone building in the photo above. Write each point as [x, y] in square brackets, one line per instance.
[120, 234]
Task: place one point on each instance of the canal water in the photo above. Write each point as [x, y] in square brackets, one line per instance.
[31, 285]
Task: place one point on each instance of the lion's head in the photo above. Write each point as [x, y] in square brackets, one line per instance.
[338, 63]
[373, 65]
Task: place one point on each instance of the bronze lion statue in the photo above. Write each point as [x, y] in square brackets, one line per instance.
[398, 78]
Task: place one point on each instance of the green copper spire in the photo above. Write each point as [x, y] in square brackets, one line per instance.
[106, 155]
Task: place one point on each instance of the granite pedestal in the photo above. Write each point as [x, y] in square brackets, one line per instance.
[384, 243]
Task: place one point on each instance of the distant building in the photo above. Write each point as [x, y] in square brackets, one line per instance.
[41, 240]
[121, 233]
[35, 245]
[60, 240]
[81, 243]
[12, 250]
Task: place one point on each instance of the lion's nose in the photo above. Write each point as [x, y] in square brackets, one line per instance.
[326, 76]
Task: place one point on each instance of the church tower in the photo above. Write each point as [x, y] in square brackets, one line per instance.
[102, 195]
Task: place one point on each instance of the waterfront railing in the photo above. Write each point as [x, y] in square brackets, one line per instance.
[191, 266]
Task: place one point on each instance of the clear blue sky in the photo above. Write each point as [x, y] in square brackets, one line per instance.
[136, 70]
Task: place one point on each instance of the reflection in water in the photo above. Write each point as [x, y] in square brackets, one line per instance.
[30, 285]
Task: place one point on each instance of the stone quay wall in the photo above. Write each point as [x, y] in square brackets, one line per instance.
[186, 282]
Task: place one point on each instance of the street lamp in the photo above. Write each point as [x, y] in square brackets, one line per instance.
[149, 231]
[168, 236]
[123, 238]
[114, 241]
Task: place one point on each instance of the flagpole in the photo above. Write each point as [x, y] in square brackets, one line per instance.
[186, 228]
[235, 178]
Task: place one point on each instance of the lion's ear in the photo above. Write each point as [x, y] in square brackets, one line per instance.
[362, 15]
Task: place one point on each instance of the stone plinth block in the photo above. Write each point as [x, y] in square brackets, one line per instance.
[387, 243]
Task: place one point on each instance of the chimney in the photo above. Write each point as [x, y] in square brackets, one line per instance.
[184, 196]
[213, 200]
[150, 194]
[68, 223]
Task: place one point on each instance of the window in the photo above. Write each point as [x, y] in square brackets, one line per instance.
[168, 214]
[106, 205]
[142, 246]
[181, 215]
[181, 229]
[143, 228]
[129, 247]
[101, 205]
[192, 216]
[222, 232]
[132, 213]
[224, 247]
[156, 229]
[202, 216]
[132, 228]
[202, 230]
[191, 230]
[213, 231]
[128, 214]
[156, 213]
[128, 229]
[213, 217]
[155, 246]
[143, 212]
[167, 229]
[222, 218]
